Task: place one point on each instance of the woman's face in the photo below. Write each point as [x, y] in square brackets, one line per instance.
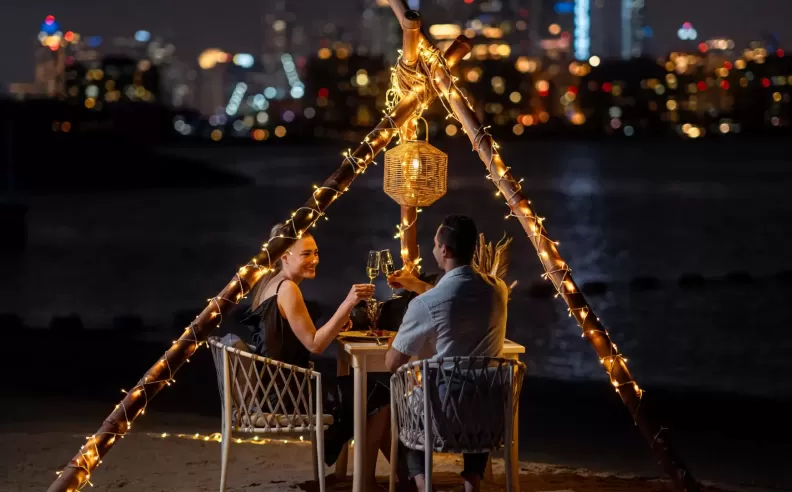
[302, 258]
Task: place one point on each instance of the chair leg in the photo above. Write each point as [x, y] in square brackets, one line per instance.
[320, 451]
[507, 444]
[428, 467]
[225, 446]
[394, 445]
[318, 436]
[508, 468]
[314, 454]
[427, 423]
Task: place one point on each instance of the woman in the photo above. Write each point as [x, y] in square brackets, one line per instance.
[285, 331]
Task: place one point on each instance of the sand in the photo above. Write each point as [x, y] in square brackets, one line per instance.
[34, 449]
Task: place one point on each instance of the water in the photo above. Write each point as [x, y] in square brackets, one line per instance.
[620, 211]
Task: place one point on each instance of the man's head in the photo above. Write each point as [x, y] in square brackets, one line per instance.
[455, 242]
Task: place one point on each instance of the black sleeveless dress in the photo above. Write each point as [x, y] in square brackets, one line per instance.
[273, 337]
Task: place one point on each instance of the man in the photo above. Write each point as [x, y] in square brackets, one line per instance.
[463, 315]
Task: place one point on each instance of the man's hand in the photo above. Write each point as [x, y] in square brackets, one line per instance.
[402, 279]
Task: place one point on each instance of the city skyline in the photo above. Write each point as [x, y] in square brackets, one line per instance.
[202, 24]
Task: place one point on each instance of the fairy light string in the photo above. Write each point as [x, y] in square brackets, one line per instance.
[217, 437]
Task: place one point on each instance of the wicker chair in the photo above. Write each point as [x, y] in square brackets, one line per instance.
[470, 402]
[265, 396]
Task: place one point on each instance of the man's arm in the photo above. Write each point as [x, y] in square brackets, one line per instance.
[401, 279]
[414, 332]
[395, 359]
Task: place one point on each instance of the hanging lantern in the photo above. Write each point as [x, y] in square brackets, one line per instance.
[416, 173]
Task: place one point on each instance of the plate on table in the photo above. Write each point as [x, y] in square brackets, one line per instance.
[367, 336]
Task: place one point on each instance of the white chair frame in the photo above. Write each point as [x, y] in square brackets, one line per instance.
[419, 417]
[247, 407]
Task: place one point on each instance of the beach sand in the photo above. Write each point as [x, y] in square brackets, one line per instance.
[146, 461]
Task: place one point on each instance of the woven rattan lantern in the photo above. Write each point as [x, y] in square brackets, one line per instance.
[416, 173]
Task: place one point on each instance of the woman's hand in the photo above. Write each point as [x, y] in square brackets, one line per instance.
[358, 292]
[347, 326]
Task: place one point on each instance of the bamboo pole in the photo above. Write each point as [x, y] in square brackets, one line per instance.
[409, 238]
[400, 10]
[558, 272]
[411, 38]
[77, 473]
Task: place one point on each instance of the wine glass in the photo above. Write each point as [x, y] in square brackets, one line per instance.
[372, 270]
[373, 265]
[386, 260]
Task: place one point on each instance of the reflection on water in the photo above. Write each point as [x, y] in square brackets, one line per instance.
[654, 210]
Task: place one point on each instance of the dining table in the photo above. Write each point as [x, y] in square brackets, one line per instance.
[364, 356]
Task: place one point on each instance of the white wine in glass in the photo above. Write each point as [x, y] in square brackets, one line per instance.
[373, 265]
[386, 260]
[387, 263]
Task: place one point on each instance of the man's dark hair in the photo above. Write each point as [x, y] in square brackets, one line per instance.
[458, 233]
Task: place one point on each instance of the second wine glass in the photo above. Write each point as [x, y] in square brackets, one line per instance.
[386, 260]
[373, 265]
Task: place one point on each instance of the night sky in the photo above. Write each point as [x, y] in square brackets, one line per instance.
[234, 25]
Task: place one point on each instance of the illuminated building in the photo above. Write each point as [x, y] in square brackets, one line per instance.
[211, 89]
[344, 92]
[605, 30]
[498, 30]
[142, 45]
[56, 52]
[234, 85]
[48, 80]
[582, 37]
[83, 55]
[552, 23]
[50, 60]
[633, 30]
[179, 82]
[281, 34]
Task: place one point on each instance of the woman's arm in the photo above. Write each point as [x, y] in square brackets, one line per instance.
[292, 305]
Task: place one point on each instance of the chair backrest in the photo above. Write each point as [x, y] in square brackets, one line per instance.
[263, 394]
[471, 401]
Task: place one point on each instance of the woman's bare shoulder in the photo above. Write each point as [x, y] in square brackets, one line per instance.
[289, 289]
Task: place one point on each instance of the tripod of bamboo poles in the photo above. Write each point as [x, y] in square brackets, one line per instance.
[77, 473]
[556, 269]
[436, 67]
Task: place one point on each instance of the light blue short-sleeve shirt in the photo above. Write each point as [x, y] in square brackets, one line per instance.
[463, 315]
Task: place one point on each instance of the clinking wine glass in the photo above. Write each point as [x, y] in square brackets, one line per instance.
[372, 270]
[373, 265]
[386, 260]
